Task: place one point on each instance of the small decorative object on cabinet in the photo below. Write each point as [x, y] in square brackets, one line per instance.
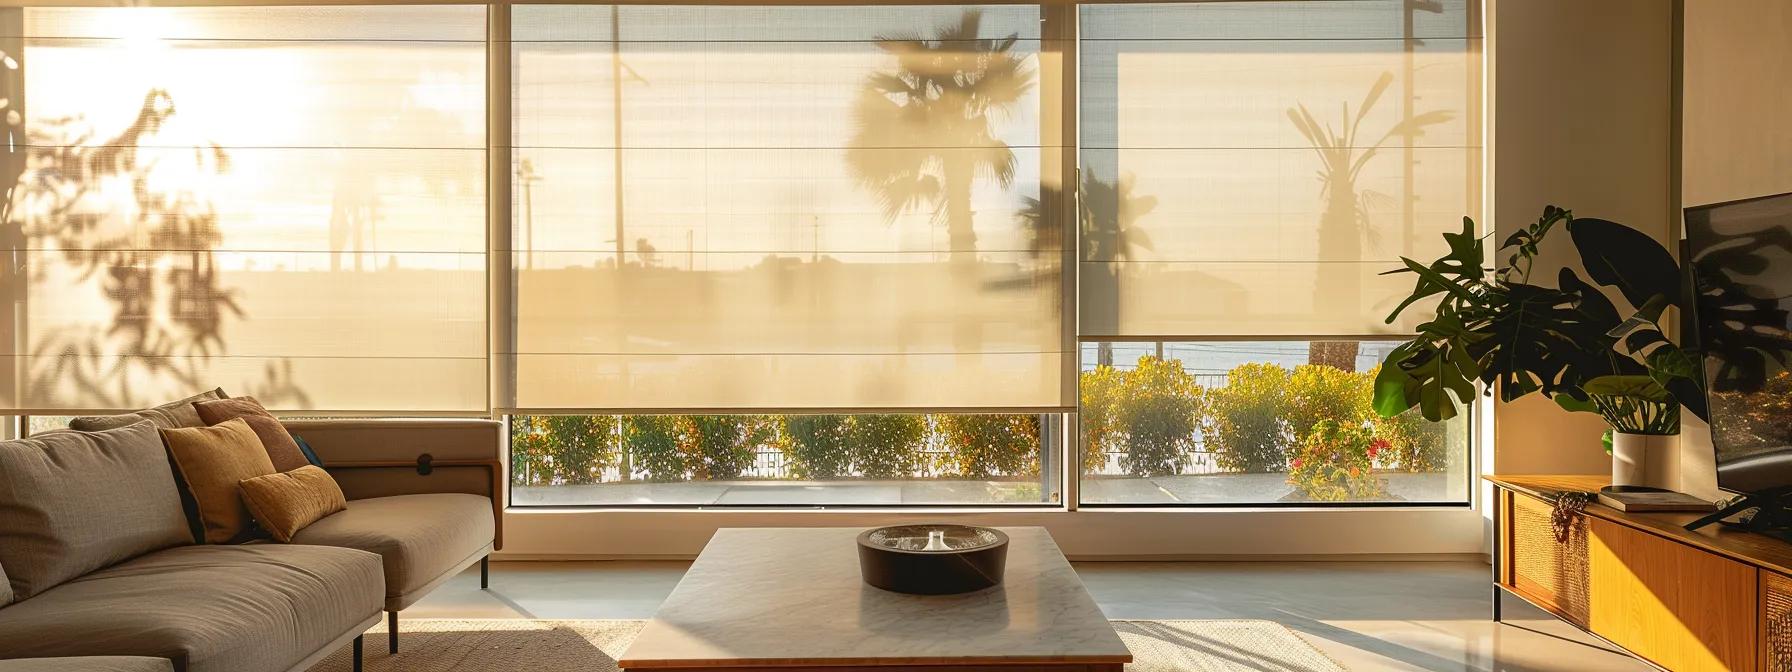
[1568, 342]
[1684, 600]
[932, 559]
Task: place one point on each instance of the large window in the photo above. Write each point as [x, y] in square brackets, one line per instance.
[1248, 169]
[282, 201]
[706, 255]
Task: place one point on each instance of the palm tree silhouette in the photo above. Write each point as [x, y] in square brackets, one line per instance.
[1345, 221]
[924, 131]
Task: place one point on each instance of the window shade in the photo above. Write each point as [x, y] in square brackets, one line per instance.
[1217, 207]
[783, 208]
[286, 202]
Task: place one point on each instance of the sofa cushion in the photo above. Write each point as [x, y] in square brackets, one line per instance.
[282, 450]
[285, 503]
[213, 462]
[172, 414]
[253, 608]
[73, 502]
[421, 538]
[88, 664]
[5, 588]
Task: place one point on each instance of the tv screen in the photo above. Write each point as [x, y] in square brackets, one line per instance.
[1741, 276]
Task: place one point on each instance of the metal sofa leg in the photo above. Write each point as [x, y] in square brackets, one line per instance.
[485, 572]
[357, 665]
[392, 632]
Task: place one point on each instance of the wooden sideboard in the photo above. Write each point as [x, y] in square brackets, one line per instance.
[1711, 599]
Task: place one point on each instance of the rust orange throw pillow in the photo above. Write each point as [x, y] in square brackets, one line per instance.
[282, 450]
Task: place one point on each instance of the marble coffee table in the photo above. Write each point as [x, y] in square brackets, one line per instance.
[790, 600]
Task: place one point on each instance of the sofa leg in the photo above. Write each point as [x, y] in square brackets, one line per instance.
[485, 572]
[392, 632]
[357, 658]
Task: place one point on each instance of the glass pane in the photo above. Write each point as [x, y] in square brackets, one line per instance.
[287, 202]
[783, 208]
[746, 460]
[1250, 168]
[1257, 422]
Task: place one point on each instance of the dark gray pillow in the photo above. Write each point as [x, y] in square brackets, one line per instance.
[172, 415]
[73, 502]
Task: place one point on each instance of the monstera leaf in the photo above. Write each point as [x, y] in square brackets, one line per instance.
[1570, 342]
[1618, 256]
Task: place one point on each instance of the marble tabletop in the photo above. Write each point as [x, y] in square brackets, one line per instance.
[793, 596]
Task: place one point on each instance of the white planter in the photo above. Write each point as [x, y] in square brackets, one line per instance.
[1642, 459]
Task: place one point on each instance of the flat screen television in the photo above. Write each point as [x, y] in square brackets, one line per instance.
[1740, 268]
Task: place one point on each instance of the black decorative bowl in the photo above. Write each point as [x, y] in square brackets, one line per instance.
[932, 559]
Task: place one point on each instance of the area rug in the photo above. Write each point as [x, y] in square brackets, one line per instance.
[593, 646]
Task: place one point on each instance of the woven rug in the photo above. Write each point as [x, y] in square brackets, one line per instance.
[593, 646]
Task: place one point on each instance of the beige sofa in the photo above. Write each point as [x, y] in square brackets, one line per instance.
[144, 589]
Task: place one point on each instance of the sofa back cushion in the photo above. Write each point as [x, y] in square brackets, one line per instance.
[213, 461]
[73, 502]
[170, 415]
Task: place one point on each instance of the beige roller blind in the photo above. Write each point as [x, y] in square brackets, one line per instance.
[1219, 208]
[282, 201]
[783, 207]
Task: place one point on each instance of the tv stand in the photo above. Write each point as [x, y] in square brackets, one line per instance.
[1712, 598]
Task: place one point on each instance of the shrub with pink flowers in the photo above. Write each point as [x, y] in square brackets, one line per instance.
[1336, 463]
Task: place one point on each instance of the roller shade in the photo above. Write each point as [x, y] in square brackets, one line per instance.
[1250, 167]
[784, 207]
[282, 201]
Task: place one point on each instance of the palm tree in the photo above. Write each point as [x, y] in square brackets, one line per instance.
[925, 130]
[1108, 224]
[1345, 221]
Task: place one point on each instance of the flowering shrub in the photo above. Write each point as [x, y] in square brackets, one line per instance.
[1319, 392]
[817, 445]
[561, 449]
[887, 446]
[1158, 404]
[1337, 463]
[1244, 425]
[1414, 443]
[1100, 390]
[987, 445]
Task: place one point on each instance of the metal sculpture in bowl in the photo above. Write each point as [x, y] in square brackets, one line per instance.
[932, 559]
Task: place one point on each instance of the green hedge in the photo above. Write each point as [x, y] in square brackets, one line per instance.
[1152, 417]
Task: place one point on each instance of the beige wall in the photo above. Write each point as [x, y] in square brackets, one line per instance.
[1582, 103]
[1736, 137]
[1738, 100]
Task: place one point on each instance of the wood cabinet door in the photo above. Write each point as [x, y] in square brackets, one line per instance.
[1551, 574]
[1683, 608]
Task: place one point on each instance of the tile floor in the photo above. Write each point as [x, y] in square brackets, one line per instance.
[1369, 615]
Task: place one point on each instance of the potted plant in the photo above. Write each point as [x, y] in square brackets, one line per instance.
[1569, 342]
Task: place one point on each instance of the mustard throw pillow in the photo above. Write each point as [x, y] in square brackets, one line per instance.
[286, 502]
[213, 461]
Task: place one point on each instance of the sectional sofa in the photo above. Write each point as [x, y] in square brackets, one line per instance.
[97, 557]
